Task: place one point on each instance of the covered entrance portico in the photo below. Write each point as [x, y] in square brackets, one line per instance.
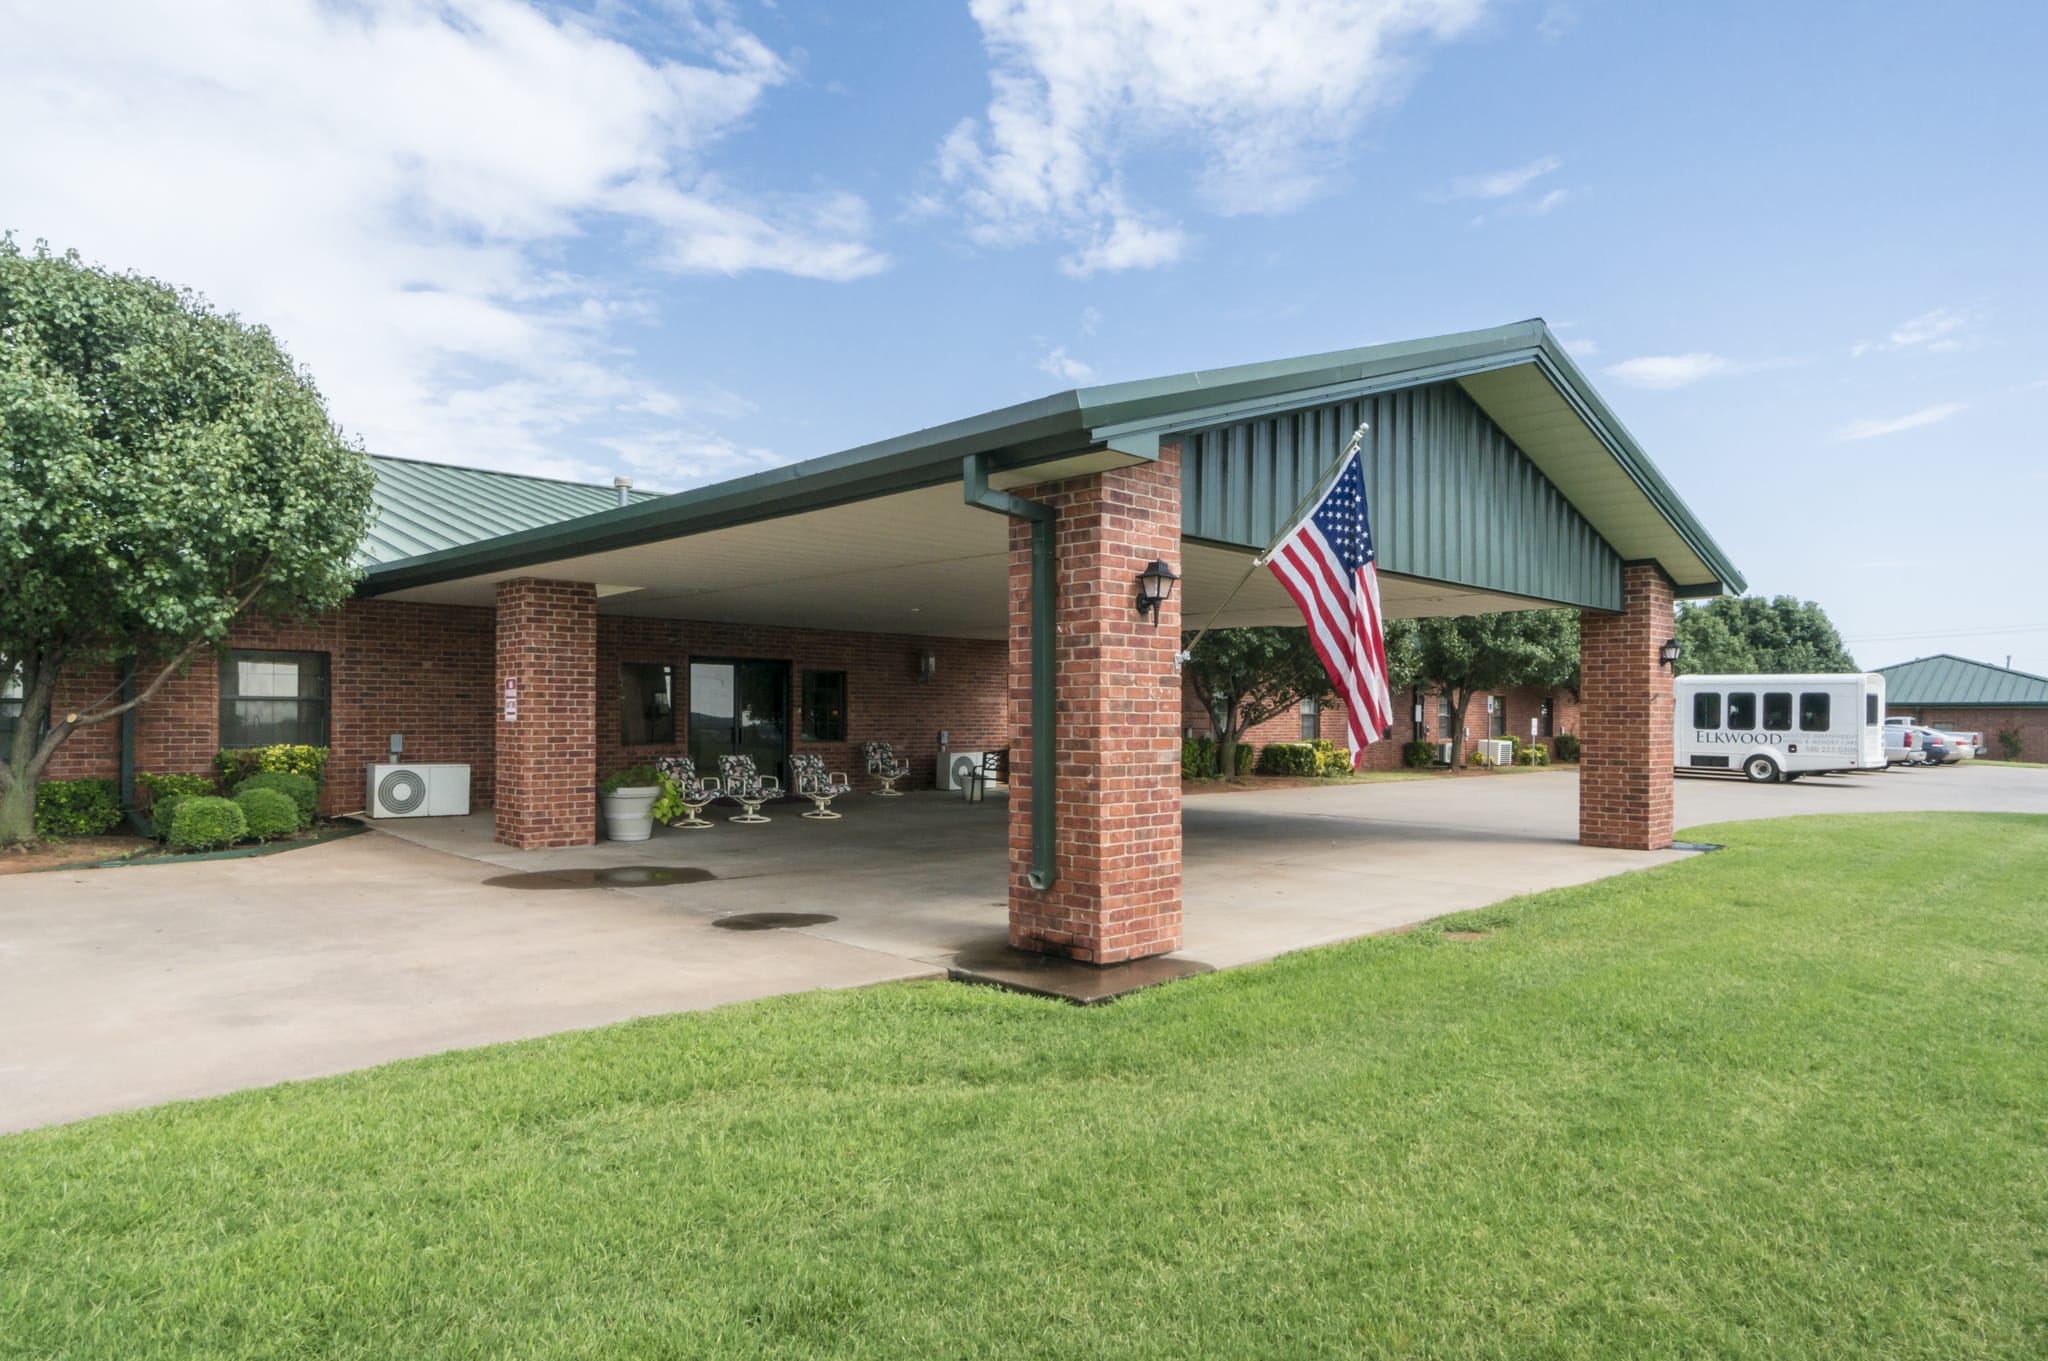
[1007, 547]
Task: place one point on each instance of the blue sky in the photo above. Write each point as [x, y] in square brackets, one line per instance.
[1798, 247]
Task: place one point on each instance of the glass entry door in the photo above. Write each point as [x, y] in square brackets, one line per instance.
[739, 708]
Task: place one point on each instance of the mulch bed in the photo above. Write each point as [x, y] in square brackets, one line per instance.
[82, 850]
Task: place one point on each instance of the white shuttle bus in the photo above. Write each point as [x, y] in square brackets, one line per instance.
[1779, 727]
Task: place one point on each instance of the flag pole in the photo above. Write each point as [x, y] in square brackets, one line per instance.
[1315, 493]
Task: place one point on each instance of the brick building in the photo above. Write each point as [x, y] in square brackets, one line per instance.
[1950, 692]
[975, 580]
[1421, 715]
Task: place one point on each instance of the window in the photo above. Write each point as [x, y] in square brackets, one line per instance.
[1742, 712]
[1870, 718]
[1814, 708]
[647, 704]
[1311, 719]
[1445, 719]
[1546, 720]
[1496, 715]
[1706, 709]
[1777, 711]
[10, 709]
[824, 706]
[269, 698]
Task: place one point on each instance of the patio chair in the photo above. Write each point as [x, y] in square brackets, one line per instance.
[807, 772]
[695, 794]
[883, 765]
[989, 772]
[747, 787]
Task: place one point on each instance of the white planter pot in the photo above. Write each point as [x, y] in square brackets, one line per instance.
[628, 813]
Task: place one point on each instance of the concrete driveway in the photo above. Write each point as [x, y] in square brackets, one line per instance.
[122, 988]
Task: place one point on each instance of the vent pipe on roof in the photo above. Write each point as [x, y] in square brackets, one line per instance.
[625, 486]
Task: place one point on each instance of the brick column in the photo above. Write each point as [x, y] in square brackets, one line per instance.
[1117, 892]
[547, 755]
[1625, 717]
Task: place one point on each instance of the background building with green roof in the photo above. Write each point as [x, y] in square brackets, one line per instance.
[1946, 691]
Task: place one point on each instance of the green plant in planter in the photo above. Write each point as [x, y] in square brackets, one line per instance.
[632, 777]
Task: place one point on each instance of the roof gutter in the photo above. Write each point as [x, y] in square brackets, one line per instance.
[1044, 671]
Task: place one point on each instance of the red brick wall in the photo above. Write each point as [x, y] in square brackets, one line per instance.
[1524, 703]
[1117, 894]
[1625, 773]
[547, 752]
[420, 670]
[2031, 724]
[884, 700]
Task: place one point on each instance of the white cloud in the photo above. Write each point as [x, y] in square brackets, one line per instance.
[1582, 348]
[1501, 183]
[1913, 420]
[1940, 330]
[1091, 319]
[1665, 371]
[396, 189]
[1266, 96]
[1063, 367]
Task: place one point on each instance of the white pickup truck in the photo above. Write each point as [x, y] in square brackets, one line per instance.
[1903, 735]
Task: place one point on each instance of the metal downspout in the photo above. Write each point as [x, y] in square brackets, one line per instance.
[974, 471]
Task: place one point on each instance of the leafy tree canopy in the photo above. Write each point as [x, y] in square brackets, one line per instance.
[1246, 676]
[1748, 634]
[1481, 653]
[163, 469]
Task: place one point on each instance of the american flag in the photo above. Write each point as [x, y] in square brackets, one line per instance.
[1326, 564]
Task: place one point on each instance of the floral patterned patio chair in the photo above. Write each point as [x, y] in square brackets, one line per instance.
[747, 787]
[807, 772]
[883, 765]
[679, 776]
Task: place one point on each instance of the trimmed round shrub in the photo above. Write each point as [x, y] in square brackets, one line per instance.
[270, 813]
[1418, 755]
[304, 794]
[1244, 758]
[1287, 758]
[77, 807]
[1197, 758]
[204, 822]
[1567, 747]
[163, 810]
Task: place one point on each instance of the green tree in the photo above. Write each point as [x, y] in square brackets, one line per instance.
[1739, 635]
[164, 469]
[1245, 676]
[1481, 653]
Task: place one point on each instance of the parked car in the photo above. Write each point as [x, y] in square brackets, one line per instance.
[1902, 745]
[1953, 746]
[1935, 750]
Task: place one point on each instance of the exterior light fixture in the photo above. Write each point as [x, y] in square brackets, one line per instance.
[1668, 654]
[1155, 588]
[927, 667]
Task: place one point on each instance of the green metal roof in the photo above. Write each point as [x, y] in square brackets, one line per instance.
[1134, 419]
[1948, 680]
[431, 507]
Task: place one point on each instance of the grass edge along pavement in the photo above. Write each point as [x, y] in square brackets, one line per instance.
[1789, 1098]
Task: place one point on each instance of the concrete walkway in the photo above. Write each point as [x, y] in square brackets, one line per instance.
[122, 988]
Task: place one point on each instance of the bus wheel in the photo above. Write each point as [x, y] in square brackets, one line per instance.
[1760, 770]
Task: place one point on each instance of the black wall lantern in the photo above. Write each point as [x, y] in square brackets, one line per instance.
[1155, 588]
[1668, 653]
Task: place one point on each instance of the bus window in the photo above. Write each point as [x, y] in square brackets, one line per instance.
[1814, 709]
[1777, 711]
[1870, 711]
[1706, 709]
[1742, 712]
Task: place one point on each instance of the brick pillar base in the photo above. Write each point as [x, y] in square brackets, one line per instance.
[547, 755]
[1625, 717]
[1117, 895]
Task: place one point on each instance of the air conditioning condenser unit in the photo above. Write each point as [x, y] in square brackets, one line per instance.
[956, 768]
[417, 791]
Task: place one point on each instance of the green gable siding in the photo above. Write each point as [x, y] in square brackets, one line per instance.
[1453, 499]
[1954, 681]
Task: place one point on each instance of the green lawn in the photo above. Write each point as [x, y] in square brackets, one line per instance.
[1788, 1099]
